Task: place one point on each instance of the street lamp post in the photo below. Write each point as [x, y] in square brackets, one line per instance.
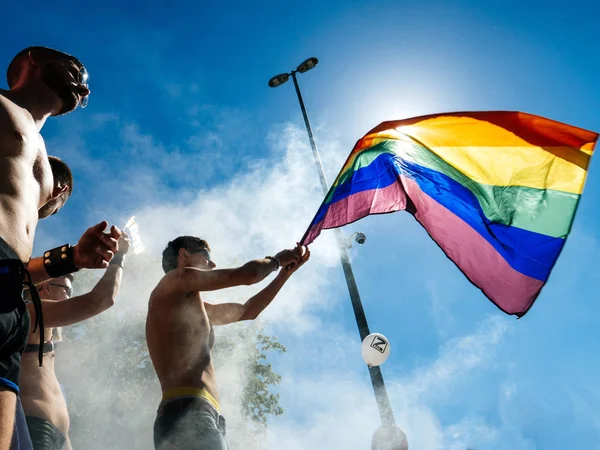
[383, 402]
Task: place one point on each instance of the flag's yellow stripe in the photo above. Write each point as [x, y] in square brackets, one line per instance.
[492, 155]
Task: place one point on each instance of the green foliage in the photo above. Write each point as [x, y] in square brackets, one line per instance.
[259, 402]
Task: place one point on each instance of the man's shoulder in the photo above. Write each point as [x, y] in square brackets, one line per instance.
[7, 104]
[165, 287]
[169, 289]
[17, 127]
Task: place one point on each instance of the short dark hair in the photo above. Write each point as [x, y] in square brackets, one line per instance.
[61, 172]
[192, 244]
[14, 68]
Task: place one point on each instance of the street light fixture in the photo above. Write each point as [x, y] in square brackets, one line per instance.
[383, 402]
[307, 65]
[278, 80]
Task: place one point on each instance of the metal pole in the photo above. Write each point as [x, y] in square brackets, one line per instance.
[383, 402]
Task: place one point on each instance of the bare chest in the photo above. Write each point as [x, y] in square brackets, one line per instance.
[23, 153]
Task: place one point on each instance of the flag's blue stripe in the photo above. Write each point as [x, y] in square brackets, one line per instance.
[530, 253]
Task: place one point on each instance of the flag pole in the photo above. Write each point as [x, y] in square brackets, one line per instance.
[383, 402]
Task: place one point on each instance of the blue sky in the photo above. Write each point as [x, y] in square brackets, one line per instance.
[181, 118]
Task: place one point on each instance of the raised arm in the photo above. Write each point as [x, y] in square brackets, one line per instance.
[191, 279]
[99, 299]
[225, 313]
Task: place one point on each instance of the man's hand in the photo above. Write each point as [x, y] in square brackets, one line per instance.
[304, 255]
[96, 248]
[124, 243]
[288, 258]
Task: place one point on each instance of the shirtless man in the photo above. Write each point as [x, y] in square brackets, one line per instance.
[180, 336]
[41, 394]
[42, 83]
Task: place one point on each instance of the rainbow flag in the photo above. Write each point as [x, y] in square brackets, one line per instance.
[497, 191]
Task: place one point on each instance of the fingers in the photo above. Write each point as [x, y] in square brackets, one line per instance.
[104, 253]
[115, 232]
[295, 258]
[99, 228]
[124, 243]
[102, 263]
[305, 256]
[109, 242]
[111, 239]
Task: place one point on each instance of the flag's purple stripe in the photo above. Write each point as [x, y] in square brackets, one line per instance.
[509, 289]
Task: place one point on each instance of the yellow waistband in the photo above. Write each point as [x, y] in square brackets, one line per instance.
[190, 391]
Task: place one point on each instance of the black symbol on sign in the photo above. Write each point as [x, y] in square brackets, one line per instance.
[379, 344]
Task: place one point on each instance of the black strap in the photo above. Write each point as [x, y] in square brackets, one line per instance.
[47, 348]
[39, 318]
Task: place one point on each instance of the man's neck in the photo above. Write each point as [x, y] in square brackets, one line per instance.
[36, 99]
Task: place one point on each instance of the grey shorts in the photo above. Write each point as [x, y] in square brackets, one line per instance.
[189, 423]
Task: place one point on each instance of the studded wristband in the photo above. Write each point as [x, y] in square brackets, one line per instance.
[59, 261]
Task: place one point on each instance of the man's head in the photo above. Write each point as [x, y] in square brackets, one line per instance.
[63, 74]
[63, 186]
[57, 288]
[187, 251]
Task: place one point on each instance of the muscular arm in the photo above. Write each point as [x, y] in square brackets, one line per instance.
[225, 313]
[82, 307]
[190, 279]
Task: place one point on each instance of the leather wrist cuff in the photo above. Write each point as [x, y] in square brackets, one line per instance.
[59, 261]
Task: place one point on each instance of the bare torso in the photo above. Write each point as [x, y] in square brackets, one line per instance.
[25, 177]
[40, 390]
[178, 334]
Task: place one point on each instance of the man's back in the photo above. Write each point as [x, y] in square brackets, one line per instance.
[25, 177]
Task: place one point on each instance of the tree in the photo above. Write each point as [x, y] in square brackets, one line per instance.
[111, 386]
